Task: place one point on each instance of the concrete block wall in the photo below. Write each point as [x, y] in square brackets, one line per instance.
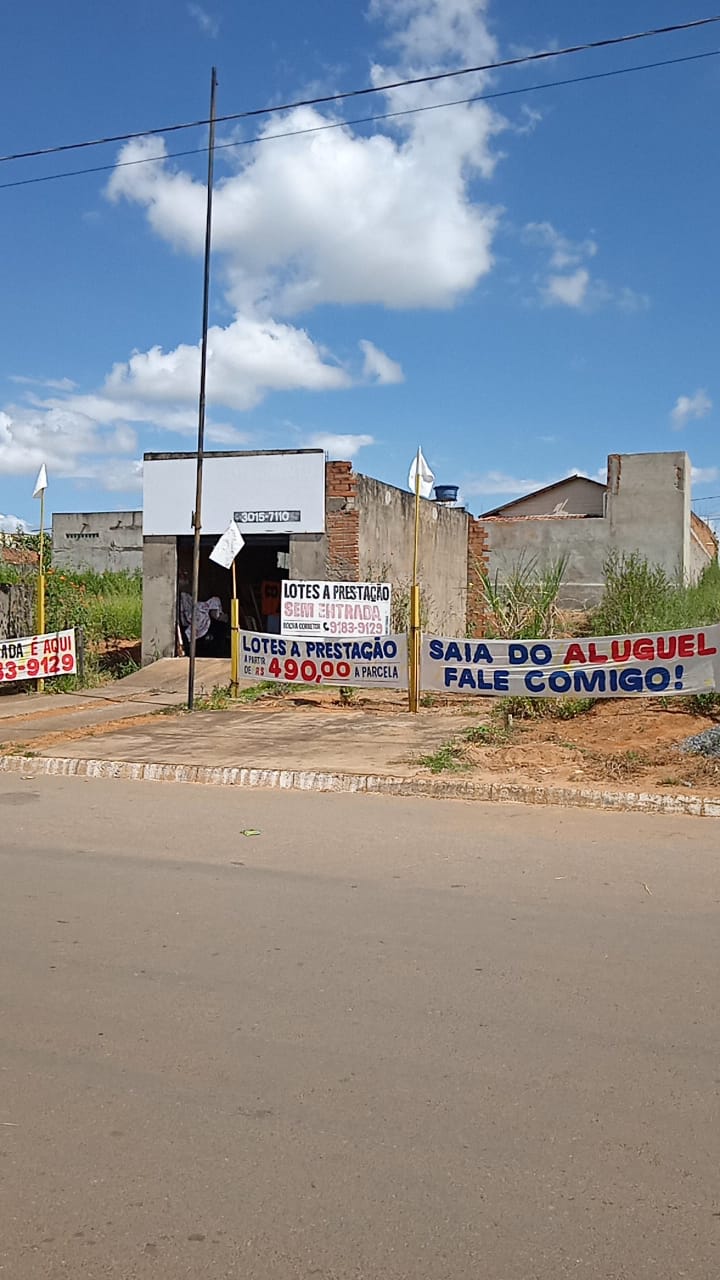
[648, 507]
[159, 619]
[386, 532]
[543, 539]
[104, 541]
[648, 511]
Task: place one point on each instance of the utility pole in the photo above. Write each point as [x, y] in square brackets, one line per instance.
[197, 513]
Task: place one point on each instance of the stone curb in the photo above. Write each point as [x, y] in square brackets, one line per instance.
[368, 784]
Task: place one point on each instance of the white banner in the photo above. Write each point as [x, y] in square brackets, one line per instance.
[318, 609]
[639, 666]
[38, 657]
[381, 661]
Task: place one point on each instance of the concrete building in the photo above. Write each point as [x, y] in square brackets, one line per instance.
[302, 518]
[106, 541]
[645, 507]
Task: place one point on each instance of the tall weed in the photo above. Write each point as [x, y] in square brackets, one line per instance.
[523, 606]
[640, 596]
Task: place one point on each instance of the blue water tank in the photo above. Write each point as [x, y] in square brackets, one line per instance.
[446, 492]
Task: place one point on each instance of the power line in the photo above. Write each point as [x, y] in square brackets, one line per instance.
[384, 88]
[343, 124]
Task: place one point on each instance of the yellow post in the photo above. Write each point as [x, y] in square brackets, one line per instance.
[234, 638]
[41, 580]
[414, 655]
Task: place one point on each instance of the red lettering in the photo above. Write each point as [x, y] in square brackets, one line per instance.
[644, 649]
[705, 651]
[620, 650]
[593, 655]
[686, 646]
[575, 653]
[666, 648]
[34, 648]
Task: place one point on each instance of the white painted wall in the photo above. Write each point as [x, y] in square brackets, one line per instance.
[248, 482]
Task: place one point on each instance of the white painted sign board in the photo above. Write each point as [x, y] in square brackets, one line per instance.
[262, 492]
[317, 609]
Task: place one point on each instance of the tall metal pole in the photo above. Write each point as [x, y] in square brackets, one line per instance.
[41, 580]
[414, 681]
[197, 513]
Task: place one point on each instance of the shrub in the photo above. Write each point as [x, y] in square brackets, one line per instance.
[640, 596]
[523, 606]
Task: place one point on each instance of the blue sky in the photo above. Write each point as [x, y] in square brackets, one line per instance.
[522, 285]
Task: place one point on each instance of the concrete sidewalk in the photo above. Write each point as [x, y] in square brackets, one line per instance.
[26, 718]
[277, 737]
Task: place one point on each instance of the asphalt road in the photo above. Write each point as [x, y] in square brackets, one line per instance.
[380, 1039]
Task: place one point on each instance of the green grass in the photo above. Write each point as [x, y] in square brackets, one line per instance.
[489, 735]
[516, 707]
[117, 616]
[447, 758]
[642, 597]
[703, 704]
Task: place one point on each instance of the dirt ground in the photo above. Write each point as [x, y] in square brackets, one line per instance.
[630, 744]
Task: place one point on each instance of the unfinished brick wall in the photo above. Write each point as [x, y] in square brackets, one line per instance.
[478, 559]
[342, 522]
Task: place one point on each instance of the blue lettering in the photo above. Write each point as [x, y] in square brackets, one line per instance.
[517, 654]
[540, 655]
[631, 680]
[559, 681]
[436, 650]
[450, 676]
[657, 679]
[535, 681]
[590, 681]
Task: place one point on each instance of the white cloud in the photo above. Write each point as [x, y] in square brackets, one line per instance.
[530, 118]
[568, 290]
[377, 366]
[491, 483]
[207, 23]
[391, 217]
[689, 407]
[71, 444]
[225, 434]
[429, 31]
[705, 475]
[499, 482]
[53, 384]
[342, 216]
[13, 524]
[339, 446]
[628, 300]
[245, 360]
[563, 251]
[568, 281]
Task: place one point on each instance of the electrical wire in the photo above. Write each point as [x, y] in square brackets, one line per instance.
[342, 124]
[606, 43]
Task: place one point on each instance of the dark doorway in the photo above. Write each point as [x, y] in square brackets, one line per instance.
[260, 566]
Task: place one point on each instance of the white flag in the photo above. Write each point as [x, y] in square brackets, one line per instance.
[41, 482]
[427, 478]
[227, 546]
